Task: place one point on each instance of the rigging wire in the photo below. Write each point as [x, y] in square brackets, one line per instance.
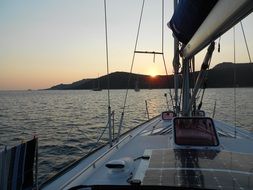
[108, 85]
[235, 130]
[166, 71]
[98, 139]
[162, 25]
[107, 56]
[108, 76]
[131, 69]
[204, 84]
[133, 58]
[245, 40]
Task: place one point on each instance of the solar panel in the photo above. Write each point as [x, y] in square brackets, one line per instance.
[200, 169]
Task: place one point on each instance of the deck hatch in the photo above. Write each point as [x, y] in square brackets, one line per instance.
[200, 169]
[195, 131]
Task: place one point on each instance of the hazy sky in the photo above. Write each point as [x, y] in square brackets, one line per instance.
[44, 43]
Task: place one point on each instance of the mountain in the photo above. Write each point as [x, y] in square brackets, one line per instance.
[221, 76]
[119, 80]
[74, 85]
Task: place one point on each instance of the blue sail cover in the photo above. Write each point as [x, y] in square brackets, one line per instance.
[188, 16]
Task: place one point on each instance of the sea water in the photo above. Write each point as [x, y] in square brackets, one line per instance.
[68, 123]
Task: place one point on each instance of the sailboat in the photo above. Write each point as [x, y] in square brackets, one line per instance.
[96, 85]
[180, 148]
[136, 87]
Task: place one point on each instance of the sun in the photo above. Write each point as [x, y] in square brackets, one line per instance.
[153, 73]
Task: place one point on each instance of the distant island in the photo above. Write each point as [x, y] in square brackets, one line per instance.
[220, 76]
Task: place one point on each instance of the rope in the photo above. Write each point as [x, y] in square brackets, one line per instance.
[194, 79]
[219, 44]
[244, 36]
[180, 96]
[235, 131]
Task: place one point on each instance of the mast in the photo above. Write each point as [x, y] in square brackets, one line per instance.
[222, 15]
[185, 70]
[176, 65]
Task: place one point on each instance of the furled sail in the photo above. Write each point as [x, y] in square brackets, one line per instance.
[196, 31]
[188, 16]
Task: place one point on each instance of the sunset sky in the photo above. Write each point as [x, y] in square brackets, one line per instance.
[44, 43]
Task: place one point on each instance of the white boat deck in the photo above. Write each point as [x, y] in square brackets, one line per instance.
[155, 135]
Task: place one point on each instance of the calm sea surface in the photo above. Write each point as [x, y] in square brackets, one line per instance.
[68, 123]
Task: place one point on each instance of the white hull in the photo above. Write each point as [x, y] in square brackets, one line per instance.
[155, 134]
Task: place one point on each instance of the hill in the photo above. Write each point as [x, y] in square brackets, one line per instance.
[221, 76]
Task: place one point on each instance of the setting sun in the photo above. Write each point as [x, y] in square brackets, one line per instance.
[153, 75]
[152, 72]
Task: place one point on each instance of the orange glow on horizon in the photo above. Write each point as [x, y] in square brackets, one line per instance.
[153, 75]
[153, 72]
